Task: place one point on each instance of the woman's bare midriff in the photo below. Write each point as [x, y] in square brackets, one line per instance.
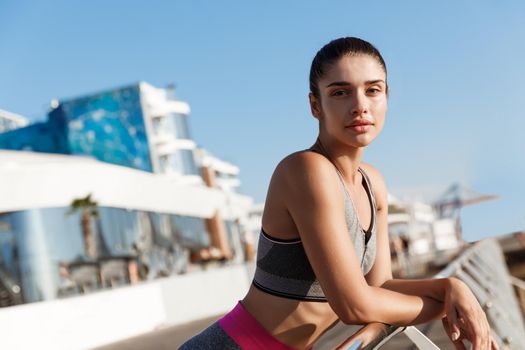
[295, 323]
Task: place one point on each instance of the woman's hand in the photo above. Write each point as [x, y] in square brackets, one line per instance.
[465, 319]
[366, 335]
[458, 343]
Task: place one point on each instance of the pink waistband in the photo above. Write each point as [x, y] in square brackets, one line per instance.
[244, 329]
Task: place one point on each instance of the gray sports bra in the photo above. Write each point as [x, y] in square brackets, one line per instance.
[283, 268]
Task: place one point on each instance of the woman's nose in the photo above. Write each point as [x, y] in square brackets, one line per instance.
[360, 105]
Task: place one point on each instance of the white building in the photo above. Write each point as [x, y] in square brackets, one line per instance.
[157, 195]
[11, 121]
[419, 224]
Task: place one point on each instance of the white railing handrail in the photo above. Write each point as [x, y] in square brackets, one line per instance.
[517, 282]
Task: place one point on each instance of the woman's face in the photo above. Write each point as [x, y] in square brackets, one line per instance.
[353, 100]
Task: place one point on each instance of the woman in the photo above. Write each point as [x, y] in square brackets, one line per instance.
[323, 252]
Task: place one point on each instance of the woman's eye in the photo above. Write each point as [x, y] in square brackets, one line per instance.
[375, 89]
[339, 93]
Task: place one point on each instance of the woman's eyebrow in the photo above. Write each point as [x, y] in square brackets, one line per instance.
[345, 83]
[370, 82]
[338, 83]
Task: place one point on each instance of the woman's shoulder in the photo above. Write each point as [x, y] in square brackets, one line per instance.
[300, 174]
[305, 163]
[295, 181]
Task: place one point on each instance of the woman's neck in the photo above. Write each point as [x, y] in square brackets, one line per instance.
[346, 159]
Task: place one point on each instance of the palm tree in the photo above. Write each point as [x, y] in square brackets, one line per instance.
[88, 209]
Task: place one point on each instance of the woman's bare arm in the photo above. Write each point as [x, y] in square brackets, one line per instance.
[457, 298]
[314, 198]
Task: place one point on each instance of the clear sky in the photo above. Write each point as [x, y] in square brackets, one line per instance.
[456, 74]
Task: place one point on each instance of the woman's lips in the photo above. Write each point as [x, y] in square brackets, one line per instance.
[360, 128]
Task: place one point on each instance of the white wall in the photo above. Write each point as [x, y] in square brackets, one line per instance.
[104, 317]
[39, 180]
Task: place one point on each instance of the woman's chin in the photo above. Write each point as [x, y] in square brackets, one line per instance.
[363, 140]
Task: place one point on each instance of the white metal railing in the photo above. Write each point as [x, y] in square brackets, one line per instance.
[482, 267]
[415, 335]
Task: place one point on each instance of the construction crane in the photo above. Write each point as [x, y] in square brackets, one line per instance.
[456, 197]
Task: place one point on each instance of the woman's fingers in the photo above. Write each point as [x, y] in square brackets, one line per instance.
[487, 335]
[493, 344]
[479, 333]
[484, 326]
[466, 315]
[476, 330]
[452, 317]
[457, 343]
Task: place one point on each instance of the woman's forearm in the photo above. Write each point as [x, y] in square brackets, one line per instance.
[430, 288]
[378, 304]
[402, 309]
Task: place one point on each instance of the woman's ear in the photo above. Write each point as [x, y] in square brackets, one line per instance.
[315, 105]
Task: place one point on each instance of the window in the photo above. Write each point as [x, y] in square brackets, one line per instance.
[157, 125]
[190, 231]
[172, 124]
[187, 162]
[181, 126]
[182, 161]
[164, 163]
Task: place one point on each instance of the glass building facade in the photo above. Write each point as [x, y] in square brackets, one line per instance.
[35, 244]
[42, 250]
[41, 137]
[109, 126]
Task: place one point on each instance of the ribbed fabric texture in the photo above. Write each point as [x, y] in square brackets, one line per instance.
[283, 268]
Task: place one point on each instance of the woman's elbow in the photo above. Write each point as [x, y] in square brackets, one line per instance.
[357, 314]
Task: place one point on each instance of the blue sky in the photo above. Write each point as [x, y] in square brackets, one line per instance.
[455, 71]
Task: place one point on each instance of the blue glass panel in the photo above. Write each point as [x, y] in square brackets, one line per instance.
[161, 232]
[38, 273]
[108, 126]
[190, 231]
[40, 137]
[120, 229]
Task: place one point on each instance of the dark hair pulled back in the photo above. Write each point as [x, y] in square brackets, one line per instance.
[336, 49]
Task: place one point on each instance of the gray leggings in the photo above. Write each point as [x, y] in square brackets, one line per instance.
[212, 338]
